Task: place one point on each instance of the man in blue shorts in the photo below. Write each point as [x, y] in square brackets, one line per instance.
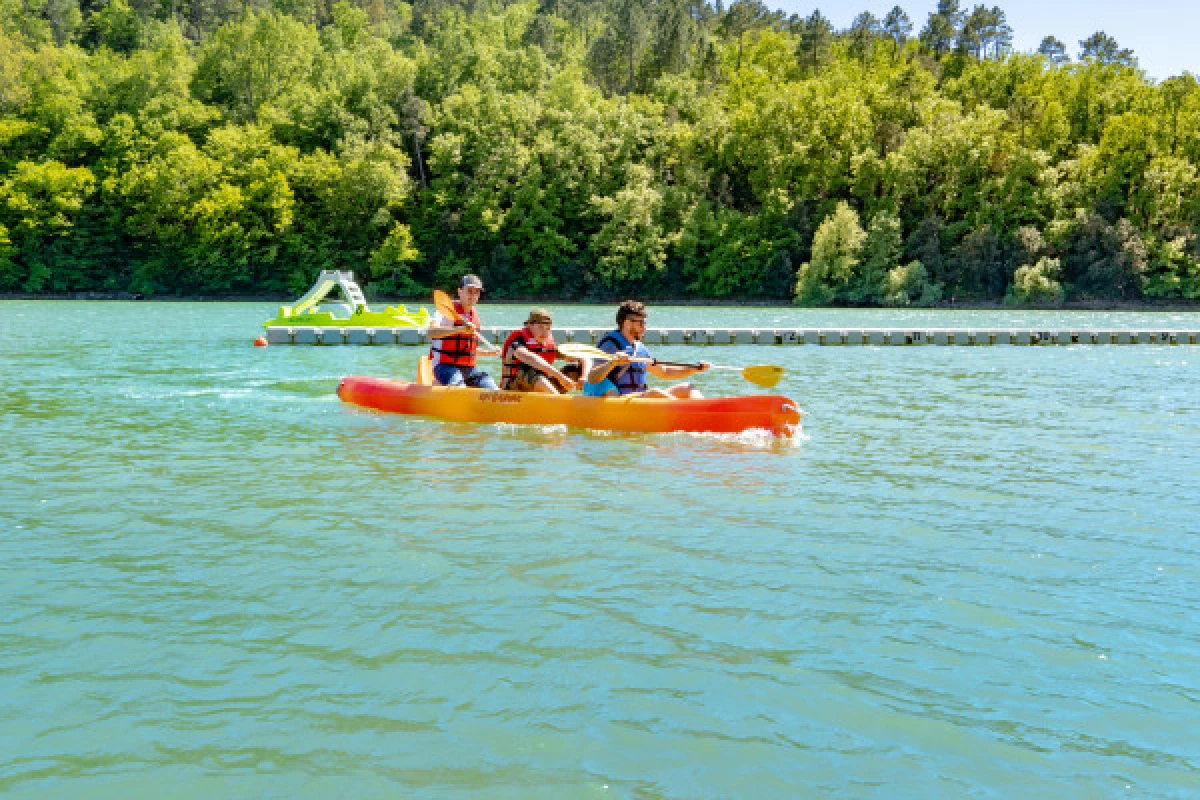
[623, 375]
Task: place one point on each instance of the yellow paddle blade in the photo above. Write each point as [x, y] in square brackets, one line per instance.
[765, 375]
[443, 303]
[425, 371]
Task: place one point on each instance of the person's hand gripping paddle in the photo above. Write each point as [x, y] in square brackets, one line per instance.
[445, 306]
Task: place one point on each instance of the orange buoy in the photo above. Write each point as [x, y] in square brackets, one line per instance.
[260, 341]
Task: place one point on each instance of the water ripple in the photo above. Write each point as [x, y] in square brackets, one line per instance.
[971, 575]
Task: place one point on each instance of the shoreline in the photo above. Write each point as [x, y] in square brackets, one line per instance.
[1165, 306]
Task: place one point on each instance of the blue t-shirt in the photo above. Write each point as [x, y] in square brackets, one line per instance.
[600, 388]
[625, 380]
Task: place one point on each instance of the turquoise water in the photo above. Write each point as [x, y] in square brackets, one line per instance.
[773, 317]
[974, 574]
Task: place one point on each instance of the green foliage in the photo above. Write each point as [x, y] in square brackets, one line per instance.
[1104, 49]
[39, 203]
[8, 274]
[1174, 269]
[833, 273]
[727, 252]
[587, 150]
[630, 244]
[881, 254]
[118, 27]
[909, 285]
[64, 17]
[816, 42]
[1037, 284]
[253, 60]
[1103, 260]
[980, 263]
[391, 263]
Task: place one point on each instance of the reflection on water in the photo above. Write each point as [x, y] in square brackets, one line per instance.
[971, 574]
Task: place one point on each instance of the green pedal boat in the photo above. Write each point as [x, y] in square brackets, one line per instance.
[353, 313]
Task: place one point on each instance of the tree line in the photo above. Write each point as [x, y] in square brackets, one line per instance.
[576, 149]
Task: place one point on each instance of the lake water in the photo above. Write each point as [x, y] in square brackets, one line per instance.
[975, 573]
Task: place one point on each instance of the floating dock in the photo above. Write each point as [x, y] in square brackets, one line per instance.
[972, 337]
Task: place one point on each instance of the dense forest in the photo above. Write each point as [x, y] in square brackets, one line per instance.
[586, 149]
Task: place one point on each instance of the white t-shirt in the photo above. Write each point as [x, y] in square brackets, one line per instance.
[439, 320]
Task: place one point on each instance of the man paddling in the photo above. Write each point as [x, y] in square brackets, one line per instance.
[621, 375]
[455, 341]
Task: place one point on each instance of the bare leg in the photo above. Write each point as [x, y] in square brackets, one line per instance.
[544, 386]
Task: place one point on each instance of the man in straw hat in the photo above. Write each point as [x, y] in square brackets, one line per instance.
[529, 354]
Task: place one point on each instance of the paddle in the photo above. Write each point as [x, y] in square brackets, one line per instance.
[765, 375]
[443, 303]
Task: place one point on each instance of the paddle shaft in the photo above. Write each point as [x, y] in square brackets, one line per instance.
[762, 375]
[588, 351]
[674, 363]
[765, 375]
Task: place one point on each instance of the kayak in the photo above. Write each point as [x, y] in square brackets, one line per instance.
[778, 415]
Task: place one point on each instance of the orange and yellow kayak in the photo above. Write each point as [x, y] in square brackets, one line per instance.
[779, 415]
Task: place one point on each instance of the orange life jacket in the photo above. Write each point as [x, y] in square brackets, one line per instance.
[523, 337]
[457, 350]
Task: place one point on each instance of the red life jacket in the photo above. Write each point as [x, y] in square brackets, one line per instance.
[457, 350]
[523, 337]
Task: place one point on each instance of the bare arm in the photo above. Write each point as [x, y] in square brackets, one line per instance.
[441, 332]
[441, 326]
[675, 373]
[538, 363]
[603, 368]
